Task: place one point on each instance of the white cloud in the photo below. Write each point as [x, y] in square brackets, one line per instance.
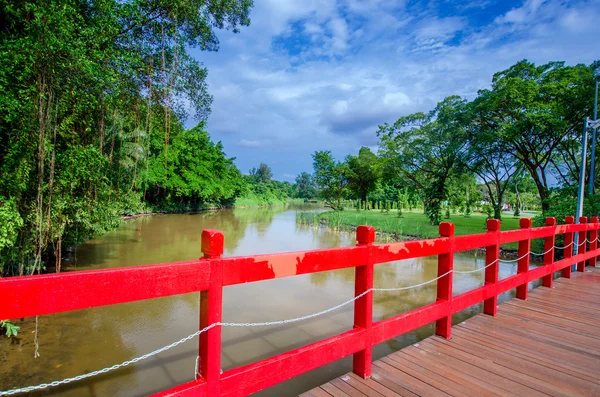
[356, 64]
[250, 143]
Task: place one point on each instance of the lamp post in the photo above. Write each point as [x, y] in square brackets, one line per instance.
[593, 154]
[593, 124]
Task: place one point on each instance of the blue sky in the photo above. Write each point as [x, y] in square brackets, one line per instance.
[322, 74]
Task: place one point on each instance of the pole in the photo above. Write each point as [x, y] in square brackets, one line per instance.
[592, 166]
[580, 191]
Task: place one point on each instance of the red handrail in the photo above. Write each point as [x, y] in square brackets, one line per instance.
[54, 293]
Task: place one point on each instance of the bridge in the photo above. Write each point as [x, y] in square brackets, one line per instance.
[521, 348]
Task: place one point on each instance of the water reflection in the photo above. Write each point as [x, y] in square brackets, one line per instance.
[83, 341]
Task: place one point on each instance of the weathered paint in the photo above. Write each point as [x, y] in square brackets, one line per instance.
[28, 296]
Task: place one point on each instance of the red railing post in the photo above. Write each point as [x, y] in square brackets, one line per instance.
[492, 256]
[581, 242]
[363, 307]
[593, 240]
[211, 308]
[523, 263]
[443, 326]
[549, 255]
[568, 243]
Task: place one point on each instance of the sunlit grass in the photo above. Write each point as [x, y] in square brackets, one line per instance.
[414, 224]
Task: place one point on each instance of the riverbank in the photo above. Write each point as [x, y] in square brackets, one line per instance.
[240, 203]
[411, 226]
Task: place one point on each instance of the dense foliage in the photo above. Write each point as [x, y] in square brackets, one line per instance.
[515, 146]
[93, 97]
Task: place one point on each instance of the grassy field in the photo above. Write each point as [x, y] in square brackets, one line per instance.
[412, 223]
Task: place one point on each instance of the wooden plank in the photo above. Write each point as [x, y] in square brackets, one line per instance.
[533, 356]
[545, 379]
[415, 385]
[547, 345]
[354, 379]
[334, 391]
[487, 368]
[442, 371]
[418, 372]
[316, 392]
[378, 376]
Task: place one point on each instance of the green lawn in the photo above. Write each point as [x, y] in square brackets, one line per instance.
[412, 223]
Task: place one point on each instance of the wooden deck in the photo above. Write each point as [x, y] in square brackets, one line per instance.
[548, 345]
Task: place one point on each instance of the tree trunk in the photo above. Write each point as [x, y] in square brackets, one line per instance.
[498, 211]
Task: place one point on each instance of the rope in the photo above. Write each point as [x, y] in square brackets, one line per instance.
[543, 253]
[197, 333]
[107, 369]
[565, 247]
[514, 260]
[476, 270]
[412, 286]
[261, 324]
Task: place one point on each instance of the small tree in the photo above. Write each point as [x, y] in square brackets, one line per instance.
[330, 178]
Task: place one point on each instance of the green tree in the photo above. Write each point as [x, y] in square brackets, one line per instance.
[363, 173]
[538, 113]
[489, 157]
[92, 94]
[262, 174]
[331, 178]
[427, 149]
[305, 187]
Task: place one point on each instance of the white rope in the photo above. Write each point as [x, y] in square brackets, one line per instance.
[107, 369]
[514, 260]
[565, 247]
[543, 253]
[261, 324]
[197, 333]
[412, 286]
[476, 270]
[293, 320]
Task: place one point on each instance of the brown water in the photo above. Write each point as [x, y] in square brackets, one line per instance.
[83, 341]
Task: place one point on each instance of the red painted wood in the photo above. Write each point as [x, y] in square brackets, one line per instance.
[443, 326]
[549, 257]
[251, 378]
[54, 293]
[568, 242]
[392, 327]
[523, 264]
[238, 270]
[195, 388]
[582, 248]
[473, 241]
[211, 309]
[77, 290]
[492, 253]
[594, 242]
[410, 249]
[363, 306]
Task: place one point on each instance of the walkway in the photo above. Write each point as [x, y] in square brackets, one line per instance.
[548, 345]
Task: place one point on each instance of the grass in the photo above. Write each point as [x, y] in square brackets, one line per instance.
[251, 199]
[411, 224]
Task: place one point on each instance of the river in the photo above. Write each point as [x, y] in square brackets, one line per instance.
[78, 342]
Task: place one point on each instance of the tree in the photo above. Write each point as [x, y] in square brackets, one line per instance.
[92, 92]
[363, 173]
[538, 113]
[331, 178]
[427, 149]
[305, 187]
[262, 174]
[489, 157]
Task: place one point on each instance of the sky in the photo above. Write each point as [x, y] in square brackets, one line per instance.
[311, 75]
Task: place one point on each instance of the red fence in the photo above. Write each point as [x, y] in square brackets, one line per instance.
[53, 293]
